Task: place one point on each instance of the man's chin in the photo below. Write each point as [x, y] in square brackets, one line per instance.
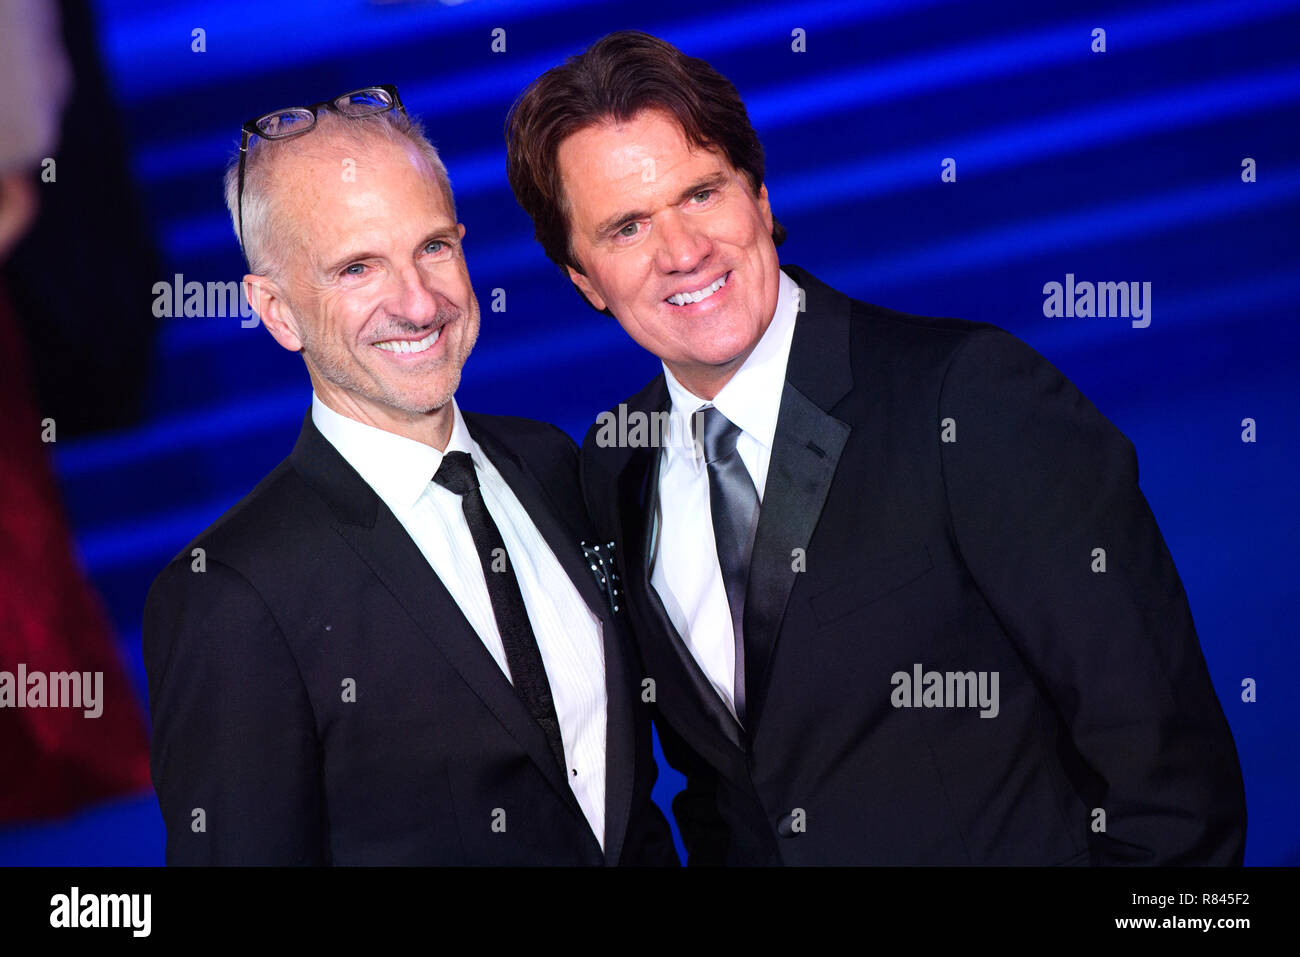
[423, 398]
[726, 359]
[427, 406]
[413, 403]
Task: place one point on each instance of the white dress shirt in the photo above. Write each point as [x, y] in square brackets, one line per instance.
[401, 471]
[685, 570]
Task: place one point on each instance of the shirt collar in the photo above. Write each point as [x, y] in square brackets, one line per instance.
[752, 397]
[397, 468]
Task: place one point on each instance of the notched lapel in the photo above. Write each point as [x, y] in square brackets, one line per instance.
[374, 533]
[805, 454]
[402, 568]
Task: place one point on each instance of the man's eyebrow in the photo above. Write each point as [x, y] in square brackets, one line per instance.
[444, 233]
[348, 259]
[714, 180]
[618, 220]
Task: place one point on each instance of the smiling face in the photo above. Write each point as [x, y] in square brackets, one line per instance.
[674, 242]
[376, 292]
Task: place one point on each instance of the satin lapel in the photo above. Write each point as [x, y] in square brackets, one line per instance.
[804, 456]
[565, 543]
[378, 538]
[638, 496]
[805, 453]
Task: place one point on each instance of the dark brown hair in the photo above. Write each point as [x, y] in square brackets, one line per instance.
[615, 78]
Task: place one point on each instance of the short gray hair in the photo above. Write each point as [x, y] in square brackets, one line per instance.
[265, 235]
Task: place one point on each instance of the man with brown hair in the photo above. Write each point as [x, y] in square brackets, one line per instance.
[869, 642]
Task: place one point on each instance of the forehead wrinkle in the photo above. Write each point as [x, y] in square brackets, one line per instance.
[312, 177]
[624, 165]
[313, 162]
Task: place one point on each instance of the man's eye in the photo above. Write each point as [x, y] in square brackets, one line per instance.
[628, 231]
[435, 246]
[706, 193]
[356, 269]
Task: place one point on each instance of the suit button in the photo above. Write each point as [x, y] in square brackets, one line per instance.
[786, 826]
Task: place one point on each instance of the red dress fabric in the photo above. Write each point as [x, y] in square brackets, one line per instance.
[52, 760]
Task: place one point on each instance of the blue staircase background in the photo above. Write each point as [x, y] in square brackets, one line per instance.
[1117, 166]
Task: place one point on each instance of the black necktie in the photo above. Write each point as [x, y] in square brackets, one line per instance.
[734, 504]
[456, 473]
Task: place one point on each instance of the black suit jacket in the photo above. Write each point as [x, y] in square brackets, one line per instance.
[880, 546]
[311, 588]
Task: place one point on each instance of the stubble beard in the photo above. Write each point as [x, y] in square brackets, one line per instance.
[342, 369]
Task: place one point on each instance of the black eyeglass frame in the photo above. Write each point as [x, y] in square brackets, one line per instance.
[251, 129]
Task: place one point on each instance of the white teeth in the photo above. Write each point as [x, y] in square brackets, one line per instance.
[682, 298]
[402, 345]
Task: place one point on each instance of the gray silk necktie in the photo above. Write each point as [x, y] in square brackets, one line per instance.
[733, 501]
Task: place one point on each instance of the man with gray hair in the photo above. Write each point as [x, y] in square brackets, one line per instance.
[393, 650]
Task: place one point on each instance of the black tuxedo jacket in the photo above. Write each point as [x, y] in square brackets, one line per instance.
[935, 497]
[319, 698]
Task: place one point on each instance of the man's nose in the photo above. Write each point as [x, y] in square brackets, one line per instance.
[683, 244]
[414, 295]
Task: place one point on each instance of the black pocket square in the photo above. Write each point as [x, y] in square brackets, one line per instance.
[600, 559]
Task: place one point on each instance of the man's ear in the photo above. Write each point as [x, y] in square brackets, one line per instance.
[267, 300]
[765, 207]
[586, 288]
